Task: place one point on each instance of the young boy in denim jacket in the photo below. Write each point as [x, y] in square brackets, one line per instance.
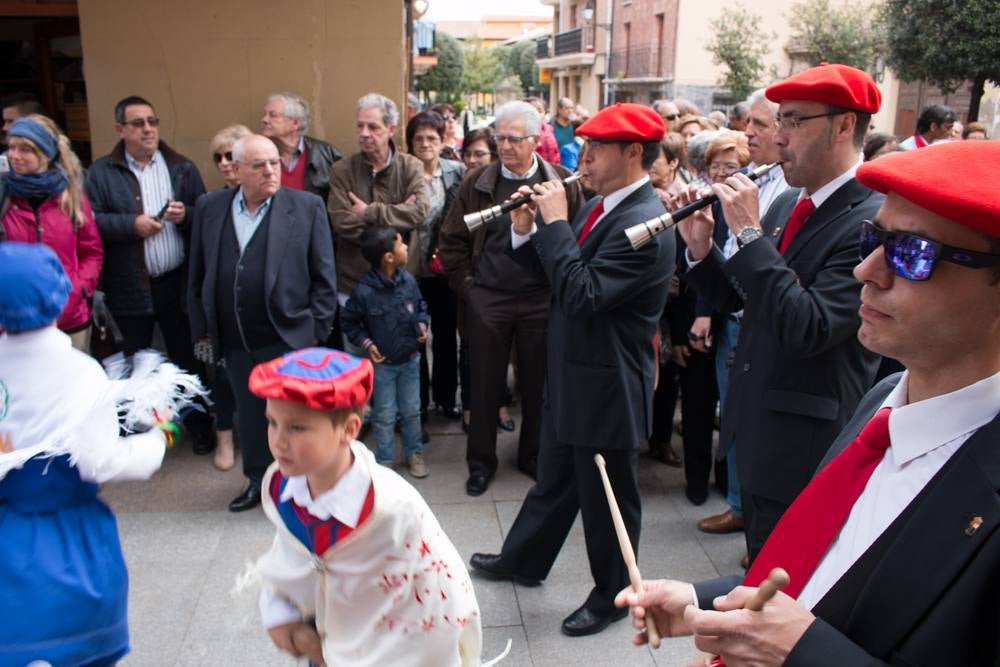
[388, 318]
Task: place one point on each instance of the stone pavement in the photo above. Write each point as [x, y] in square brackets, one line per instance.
[184, 552]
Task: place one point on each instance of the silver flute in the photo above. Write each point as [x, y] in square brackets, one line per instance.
[641, 234]
[476, 220]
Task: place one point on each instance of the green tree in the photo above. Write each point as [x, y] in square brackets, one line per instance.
[847, 33]
[446, 76]
[521, 61]
[739, 45]
[945, 42]
[484, 68]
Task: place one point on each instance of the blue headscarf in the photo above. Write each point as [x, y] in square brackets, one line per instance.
[33, 286]
[44, 184]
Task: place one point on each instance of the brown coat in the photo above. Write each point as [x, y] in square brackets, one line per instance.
[459, 248]
[386, 195]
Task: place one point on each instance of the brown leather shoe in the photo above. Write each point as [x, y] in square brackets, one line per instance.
[720, 524]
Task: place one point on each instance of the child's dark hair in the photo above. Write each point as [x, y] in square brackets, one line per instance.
[376, 240]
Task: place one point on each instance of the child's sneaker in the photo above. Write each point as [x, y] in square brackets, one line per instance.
[417, 467]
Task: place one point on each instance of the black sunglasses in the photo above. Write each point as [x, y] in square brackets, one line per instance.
[218, 157]
[913, 257]
[672, 116]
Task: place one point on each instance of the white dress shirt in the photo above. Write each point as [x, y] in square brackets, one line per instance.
[343, 502]
[610, 202]
[164, 251]
[924, 437]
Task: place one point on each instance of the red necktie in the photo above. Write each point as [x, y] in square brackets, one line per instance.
[809, 526]
[799, 215]
[595, 213]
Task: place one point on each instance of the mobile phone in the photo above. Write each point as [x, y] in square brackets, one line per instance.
[163, 211]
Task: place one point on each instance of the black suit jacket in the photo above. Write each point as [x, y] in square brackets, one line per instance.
[606, 302]
[799, 369]
[299, 273]
[925, 592]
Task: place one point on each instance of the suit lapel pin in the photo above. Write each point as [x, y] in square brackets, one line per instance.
[974, 524]
[774, 234]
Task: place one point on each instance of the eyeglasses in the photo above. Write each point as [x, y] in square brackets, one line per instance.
[447, 117]
[913, 257]
[258, 165]
[726, 168]
[672, 116]
[138, 123]
[511, 139]
[791, 122]
[228, 155]
[479, 153]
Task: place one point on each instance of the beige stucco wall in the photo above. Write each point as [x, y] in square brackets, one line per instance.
[206, 64]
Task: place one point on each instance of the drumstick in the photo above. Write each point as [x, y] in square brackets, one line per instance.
[775, 581]
[626, 547]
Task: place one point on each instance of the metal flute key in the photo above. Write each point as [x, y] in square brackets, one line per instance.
[641, 234]
[476, 220]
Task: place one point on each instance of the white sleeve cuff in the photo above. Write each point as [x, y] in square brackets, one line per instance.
[276, 610]
[518, 240]
[132, 457]
[691, 262]
[694, 596]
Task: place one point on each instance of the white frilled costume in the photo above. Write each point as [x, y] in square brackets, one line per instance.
[367, 560]
[63, 583]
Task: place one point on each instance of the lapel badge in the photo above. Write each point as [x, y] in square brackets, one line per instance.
[974, 524]
[774, 234]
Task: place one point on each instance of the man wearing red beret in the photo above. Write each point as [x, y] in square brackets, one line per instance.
[904, 566]
[799, 370]
[606, 303]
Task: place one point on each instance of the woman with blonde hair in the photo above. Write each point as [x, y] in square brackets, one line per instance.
[221, 148]
[726, 154]
[43, 202]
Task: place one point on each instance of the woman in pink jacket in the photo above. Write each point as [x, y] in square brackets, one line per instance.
[43, 202]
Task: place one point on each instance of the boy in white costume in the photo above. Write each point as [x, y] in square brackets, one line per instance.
[360, 572]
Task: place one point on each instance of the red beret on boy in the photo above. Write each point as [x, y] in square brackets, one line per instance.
[318, 377]
[835, 85]
[955, 180]
[624, 121]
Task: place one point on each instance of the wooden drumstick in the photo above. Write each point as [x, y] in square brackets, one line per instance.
[626, 547]
[776, 580]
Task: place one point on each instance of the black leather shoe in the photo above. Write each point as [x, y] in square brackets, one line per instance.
[202, 440]
[507, 424]
[476, 485]
[450, 413]
[490, 565]
[247, 500]
[586, 622]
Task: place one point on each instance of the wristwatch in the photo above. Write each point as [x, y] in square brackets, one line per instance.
[747, 235]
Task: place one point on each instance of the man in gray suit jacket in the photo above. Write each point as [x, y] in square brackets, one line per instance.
[261, 282]
[907, 571]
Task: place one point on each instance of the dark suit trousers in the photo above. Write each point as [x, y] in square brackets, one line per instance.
[250, 420]
[494, 319]
[167, 293]
[442, 306]
[760, 516]
[568, 482]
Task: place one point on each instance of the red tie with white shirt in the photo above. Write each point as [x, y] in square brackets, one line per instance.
[796, 221]
[595, 213]
[811, 524]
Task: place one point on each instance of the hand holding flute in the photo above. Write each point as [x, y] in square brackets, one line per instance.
[525, 195]
[547, 199]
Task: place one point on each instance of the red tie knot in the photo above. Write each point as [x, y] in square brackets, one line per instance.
[875, 433]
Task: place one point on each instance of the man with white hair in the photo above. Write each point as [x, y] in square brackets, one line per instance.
[305, 161]
[379, 184]
[504, 301]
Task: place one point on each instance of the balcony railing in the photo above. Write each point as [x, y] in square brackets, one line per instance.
[639, 62]
[542, 48]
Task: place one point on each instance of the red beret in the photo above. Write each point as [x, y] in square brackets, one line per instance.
[624, 122]
[317, 377]
[956, 180]
[836, 85]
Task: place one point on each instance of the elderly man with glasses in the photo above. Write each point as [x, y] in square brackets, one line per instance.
[261, 283]
[143, 193]
[305, 161]
[798, 370]
[504, 301]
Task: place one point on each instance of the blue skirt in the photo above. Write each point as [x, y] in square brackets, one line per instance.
[63, 583]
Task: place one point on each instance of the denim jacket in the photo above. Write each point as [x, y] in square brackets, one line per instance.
[386, 313]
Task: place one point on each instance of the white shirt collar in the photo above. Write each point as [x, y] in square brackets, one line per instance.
[618, 196]
[135, 166]
[823, 193]
[343, 502]
[918, 428]
[511, 176]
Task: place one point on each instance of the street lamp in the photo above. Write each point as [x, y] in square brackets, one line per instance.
[420, 8]
[588, 12]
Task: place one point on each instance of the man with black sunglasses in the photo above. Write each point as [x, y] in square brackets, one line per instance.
[905, 564]
[799, 370]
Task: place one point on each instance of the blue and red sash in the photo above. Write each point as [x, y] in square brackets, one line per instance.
[317, 535]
